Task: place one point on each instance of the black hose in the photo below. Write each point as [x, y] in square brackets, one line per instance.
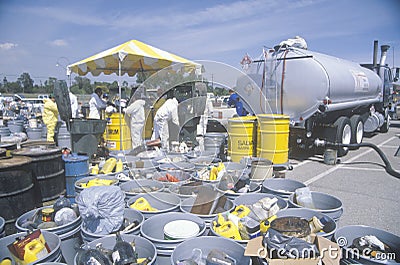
[388, 167]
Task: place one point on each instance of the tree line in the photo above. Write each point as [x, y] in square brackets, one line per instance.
[84, 86]
[79, 85]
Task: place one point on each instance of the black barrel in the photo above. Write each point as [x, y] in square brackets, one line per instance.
[38, 143]
[47, 168]
[3, 152]
[8, 146]
[17, 194]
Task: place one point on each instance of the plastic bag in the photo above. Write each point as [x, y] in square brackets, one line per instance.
[285, 246]
[102, 208]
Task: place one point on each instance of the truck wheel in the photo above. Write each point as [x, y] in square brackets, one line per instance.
[343, 134]
[385, 127]
[357, 129]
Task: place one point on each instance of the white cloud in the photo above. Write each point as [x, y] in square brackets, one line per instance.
[7, 46]
[59, 43]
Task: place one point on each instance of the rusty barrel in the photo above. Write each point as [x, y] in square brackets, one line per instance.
[47, 168]
[17, 194]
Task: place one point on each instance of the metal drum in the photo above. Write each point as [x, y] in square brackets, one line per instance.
[48, 169]
[17, 194]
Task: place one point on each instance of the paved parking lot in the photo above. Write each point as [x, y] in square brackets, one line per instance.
[370, 196]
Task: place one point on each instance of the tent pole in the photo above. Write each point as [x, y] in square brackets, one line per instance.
[120, 108]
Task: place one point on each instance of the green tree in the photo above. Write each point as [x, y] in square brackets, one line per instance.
[26, 83]
[49, 85]
[83, 83]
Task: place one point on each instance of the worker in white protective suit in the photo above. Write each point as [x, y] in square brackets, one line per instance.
[96, 104]
[135, 113]
[74, 104]
[168, 111]
[208, 111]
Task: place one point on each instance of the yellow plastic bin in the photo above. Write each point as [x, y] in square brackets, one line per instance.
[114, 133]
[240, 137]
[273, 138]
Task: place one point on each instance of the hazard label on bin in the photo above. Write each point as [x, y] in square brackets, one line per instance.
[244, 144]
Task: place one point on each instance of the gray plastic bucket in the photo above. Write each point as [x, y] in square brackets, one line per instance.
[78, 188]
[254, 187]
[162, 201]
[68, 233]
[344, 236]
[52, 240]
[186, 191]
[329, 228]
[130, 214]
[15, 126]
[207, 243]
[2, 227]
[182, 176]
[34, 133]
[128, 187]
[153, 230]
[324, 203]
[187, 204]
[204, 161]
[281, 187]
[4, 131]
[233, 169]
[251, 198]
[143, 246]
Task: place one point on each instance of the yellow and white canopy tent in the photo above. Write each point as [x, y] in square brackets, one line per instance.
[130, 58]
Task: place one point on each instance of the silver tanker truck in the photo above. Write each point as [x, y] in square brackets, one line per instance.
[326, 97]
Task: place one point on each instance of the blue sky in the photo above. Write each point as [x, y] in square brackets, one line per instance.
[35, 35]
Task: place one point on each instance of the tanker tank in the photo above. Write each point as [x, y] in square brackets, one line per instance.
[297, 82]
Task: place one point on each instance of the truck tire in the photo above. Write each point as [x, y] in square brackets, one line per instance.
[386, 124]
[357, 129]
[343, 134]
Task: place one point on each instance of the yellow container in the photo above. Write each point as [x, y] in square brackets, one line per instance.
[240, 137]
[273, 138]
[114, 133]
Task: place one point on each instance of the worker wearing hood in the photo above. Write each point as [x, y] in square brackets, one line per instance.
[136, 114]
[50, 116]
[168, 111]
[96, 104]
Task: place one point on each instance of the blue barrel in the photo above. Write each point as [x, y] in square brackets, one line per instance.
[76, 168]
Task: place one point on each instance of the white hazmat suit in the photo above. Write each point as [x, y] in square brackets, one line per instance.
[74, 105]
[95, 106]
[136, 115]
[168, 111]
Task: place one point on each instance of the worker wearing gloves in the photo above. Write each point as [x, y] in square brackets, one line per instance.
[136, 114]
[168, 111]
[50, 116]
[96, 104]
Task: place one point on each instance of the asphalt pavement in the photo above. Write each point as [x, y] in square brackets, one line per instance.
[370, 196]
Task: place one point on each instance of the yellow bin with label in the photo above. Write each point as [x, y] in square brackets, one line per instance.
[114, 132]
[273, 138]
[240, 137]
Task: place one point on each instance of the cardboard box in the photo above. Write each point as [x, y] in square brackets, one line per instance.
[330, 253]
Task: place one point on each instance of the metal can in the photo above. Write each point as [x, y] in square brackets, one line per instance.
[47, 214]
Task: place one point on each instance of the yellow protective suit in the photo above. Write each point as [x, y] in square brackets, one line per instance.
[50, 117]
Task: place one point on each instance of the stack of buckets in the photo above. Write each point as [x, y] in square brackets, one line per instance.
[265, 136]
